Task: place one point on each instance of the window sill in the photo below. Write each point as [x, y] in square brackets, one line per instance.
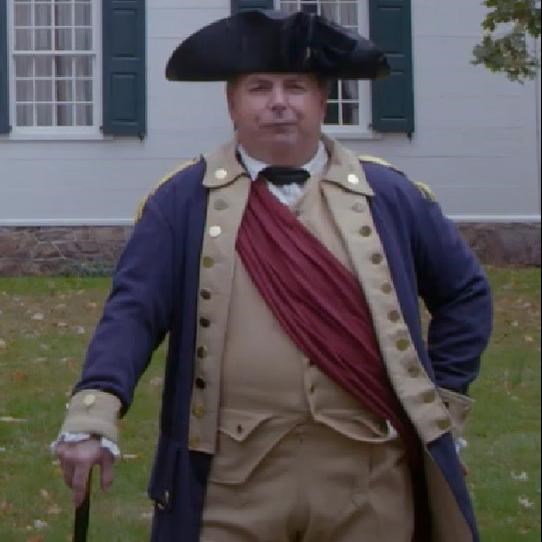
[74, 136]
[351, 133]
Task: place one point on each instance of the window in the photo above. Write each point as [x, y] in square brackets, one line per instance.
[349, 101]
[72, 68]
[54, 65]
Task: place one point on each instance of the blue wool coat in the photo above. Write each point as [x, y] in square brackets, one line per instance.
[155, 292]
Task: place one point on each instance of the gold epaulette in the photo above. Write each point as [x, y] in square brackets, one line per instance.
[162, 181]
[427, 193]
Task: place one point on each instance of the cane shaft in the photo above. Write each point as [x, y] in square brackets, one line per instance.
[82, 513]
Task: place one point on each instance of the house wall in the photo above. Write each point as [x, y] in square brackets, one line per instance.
[475, 142]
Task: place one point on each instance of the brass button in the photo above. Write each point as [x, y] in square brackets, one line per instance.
[414, 370]
[221, 174]
[353, 179]
[198, 411]
[200, 383]
[239, 429]
[394, 316]
[208, 262]
[377, 258]
[429, 396]
[358, 207]
[89, 400]
[202, 352]
[194, 442]
[387, 288]
[402, 344]
[220, 205]
[205, 294]
[204, 322]
[365, 231]
[444, 424]
[215, 231]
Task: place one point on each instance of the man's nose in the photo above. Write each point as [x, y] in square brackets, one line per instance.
[278, 98]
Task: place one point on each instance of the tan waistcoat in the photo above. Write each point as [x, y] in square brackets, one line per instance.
[266, 380]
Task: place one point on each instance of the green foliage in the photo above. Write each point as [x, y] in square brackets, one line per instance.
[505, 43]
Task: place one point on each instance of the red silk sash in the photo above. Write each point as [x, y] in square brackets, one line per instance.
[319, 304]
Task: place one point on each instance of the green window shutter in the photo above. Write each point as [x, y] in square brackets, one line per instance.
[4, 86]
[245, 5]
[393, 97]
[124, 84]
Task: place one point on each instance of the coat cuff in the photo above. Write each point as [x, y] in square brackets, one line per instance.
[94, 412]
[459, 407]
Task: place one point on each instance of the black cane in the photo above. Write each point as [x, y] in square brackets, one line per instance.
[82, 512]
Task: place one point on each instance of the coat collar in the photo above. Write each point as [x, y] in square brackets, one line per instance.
[343, 168]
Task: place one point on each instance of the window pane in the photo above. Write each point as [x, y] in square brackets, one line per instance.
[23, 40]
[25, 115]
[63, 39]
[44, 114]
[44, 90]
[288, 7]
[64, 115]
[310, 7]
[350, 90]
[83, 115]
[63, 66]
[329, 10]
[24, 66]
[64, 91]
[23, 15]
[44, 66]
[83, 15]
[83, 66]
[334, 90]
[83, 39]
[63, 14]
[83, 90]
[24, 90]
[42, 40]
[349, 14]
[42, 15]
[350, 113]
[332, 115]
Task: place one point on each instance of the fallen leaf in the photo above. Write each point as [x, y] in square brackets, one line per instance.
[130, 456]
[520, 477]
[39, 524]
[525, 502]
[528, 339]
[54, 510]
[45, 494]
[3, 344]
[79, 330]
[38, 316]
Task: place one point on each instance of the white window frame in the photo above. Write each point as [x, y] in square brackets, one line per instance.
[58, 132]
[362, 130]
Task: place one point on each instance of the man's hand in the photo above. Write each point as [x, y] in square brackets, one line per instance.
[77, 460]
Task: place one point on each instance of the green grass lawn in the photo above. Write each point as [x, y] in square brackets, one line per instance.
[45, 325]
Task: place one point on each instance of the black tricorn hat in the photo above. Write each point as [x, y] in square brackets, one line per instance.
[271, 41]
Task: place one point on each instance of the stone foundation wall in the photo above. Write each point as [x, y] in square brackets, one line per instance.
[85, 251]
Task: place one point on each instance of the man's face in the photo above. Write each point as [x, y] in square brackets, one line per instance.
[278, 117]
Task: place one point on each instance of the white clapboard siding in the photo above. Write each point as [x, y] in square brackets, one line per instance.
[475, 142]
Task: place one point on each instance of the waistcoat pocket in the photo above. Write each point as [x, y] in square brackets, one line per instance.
[244, 439]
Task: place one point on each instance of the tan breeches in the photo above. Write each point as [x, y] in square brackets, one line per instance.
[315, 486]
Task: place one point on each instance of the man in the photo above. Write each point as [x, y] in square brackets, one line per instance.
[300, 402]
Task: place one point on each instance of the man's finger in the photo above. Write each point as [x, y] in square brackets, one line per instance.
[80, 482]
[106, 470]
